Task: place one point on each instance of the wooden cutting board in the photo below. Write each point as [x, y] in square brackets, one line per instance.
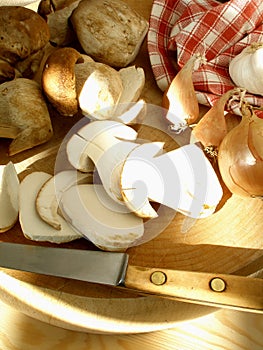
[230, 241]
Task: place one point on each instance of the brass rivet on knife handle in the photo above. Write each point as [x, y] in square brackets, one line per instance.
[217, 284]
[158, 278]
[230, 291]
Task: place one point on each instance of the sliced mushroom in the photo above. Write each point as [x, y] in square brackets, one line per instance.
[99, 88]
[49, 195]
[24, 115]
[73, 81]
[131, 113]
[182, 179]
[107, 143]
[77, 144]
[77, 156]
[133, 81]
[96, 216]
[32, 225]
[9, 188]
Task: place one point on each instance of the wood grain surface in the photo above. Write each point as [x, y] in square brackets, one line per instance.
[230, 241]
[228, 330]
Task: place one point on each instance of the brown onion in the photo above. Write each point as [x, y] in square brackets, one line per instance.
[240, 155]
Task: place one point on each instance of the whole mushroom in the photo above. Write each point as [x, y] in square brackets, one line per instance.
[110, 31]
[24, 116]
[24, 35]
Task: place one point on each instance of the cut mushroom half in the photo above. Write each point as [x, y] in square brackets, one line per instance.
[9, 189]
[33, 227]
[96, 216]
[99, 88]
[107, 143]
[59, 81]
[182, 179]
[133, 81]
[49, 195]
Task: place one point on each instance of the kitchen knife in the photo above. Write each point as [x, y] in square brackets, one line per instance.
[113, 268]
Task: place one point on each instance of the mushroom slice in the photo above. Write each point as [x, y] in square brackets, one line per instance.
[96, 216]
[9, 188]
[133, 81]
[32, 225]
[108, 143]
[49, 195]
[77, 157]
[182, 179]
[99, 88]
[131, 113]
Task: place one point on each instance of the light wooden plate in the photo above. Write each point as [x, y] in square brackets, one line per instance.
[230, 241]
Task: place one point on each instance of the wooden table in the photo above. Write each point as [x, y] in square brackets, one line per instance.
[228, 330]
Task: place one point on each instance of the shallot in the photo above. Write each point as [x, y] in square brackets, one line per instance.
[180, 98]
[212, 128]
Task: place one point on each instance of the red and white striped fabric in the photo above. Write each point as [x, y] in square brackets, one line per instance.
[220, 31]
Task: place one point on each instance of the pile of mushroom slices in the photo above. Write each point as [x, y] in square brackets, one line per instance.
[108, 192]
[70, 205]
[132, 174]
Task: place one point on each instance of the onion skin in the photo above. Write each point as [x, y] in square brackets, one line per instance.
[180, 97]
[212, 127]
[240, 156]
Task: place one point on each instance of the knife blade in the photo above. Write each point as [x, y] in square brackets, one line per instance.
[113, 268]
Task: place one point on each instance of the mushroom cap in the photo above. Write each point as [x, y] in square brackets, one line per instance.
[110, 31]
[23, 107]
[59, 81]
[22, 32]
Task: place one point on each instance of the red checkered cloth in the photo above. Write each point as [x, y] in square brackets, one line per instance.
[220, 31]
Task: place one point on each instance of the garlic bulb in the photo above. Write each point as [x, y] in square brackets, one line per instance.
[246, 69]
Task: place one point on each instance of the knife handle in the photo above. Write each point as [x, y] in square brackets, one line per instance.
[217, 290]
